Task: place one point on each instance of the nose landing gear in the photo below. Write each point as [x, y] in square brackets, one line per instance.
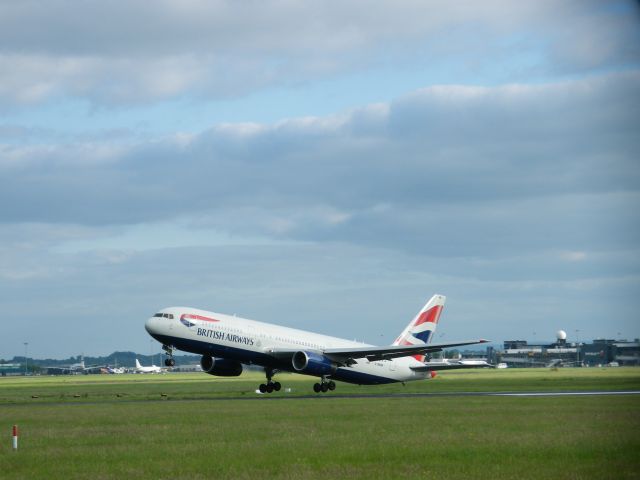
[169, 349]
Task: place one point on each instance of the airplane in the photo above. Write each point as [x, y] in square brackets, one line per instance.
[78, 366]
[227, 342]
[151, 369]
[73, 369]
[115, 370]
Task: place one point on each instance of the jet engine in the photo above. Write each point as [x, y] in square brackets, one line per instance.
[313, 363]
[221, 367]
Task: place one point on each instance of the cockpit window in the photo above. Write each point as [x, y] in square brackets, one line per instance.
[158, 315]
[164, 315]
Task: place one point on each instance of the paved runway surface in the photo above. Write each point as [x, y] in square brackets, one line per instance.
[560, 394]
[448, 394]
[329, 396]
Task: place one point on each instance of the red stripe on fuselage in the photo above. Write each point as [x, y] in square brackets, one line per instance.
[430, 315]
[190, 316]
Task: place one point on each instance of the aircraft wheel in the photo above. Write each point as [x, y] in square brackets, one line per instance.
[277, 386]
[269, 387]
[316, 387]
[332, 385]
[324, 387]
[262, 388]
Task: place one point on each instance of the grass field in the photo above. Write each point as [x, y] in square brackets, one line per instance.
[78, 427]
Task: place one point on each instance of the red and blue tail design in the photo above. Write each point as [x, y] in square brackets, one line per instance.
[423, 326]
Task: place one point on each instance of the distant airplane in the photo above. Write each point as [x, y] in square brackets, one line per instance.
[73, 369]
[79, 365]
[151, 369]
[115, 370]
[559, 362]
[227, 342]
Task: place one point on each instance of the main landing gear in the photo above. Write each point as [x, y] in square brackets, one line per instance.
[324, 386]
[169, 349]
[269, 386]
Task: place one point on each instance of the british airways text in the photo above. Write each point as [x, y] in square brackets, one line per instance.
[229, 337]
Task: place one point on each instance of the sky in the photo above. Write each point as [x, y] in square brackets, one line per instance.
[321, 165]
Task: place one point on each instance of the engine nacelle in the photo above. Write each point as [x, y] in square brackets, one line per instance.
[221, 367]
[313, 363]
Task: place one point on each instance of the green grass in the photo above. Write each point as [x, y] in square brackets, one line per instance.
[98, 388]
[101, 436]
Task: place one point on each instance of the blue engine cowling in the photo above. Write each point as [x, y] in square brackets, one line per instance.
[221, 367]
[313, 363]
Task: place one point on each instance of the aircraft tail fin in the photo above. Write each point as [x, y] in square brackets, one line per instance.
[423, 326]
[138, 364]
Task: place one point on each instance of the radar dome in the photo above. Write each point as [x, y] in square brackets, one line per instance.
[561, 335]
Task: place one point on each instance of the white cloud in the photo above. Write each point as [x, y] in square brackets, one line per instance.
[573, 256]
[134, 52]
[515, 201]
[473, 153]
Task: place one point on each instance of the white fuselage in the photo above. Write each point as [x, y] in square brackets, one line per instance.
[151, 369]
[252, 342]
[142, 369]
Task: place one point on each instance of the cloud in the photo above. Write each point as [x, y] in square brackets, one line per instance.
[463, 157]
[517, 201]
[124, 53]
[573, 256]
[357, 292]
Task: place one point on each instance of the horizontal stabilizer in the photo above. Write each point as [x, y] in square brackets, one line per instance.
[451, 365]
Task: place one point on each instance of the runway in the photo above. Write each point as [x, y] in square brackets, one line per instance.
[333, 396]
[561, 394]
[443, 394]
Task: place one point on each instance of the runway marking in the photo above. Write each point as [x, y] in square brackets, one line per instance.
[560, 394]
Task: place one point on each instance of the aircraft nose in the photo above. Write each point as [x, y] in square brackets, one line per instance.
[151, 325]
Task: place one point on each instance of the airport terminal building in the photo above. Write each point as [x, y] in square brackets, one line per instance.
[603, 352]
[600, 352]
[11, 369]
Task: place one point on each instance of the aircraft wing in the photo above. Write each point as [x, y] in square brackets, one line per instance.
[347, 356]
[344, 355]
